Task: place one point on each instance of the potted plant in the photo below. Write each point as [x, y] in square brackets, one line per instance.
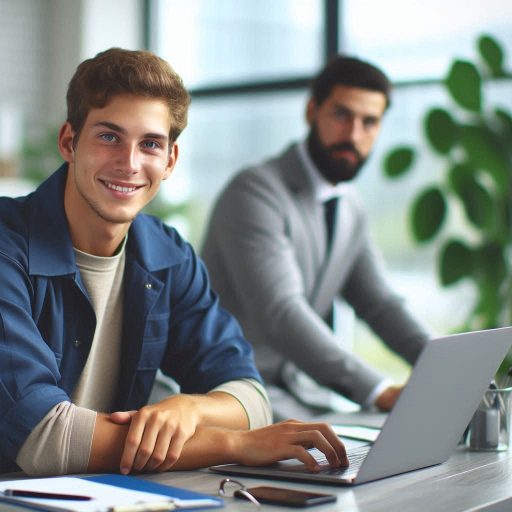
[474, 142]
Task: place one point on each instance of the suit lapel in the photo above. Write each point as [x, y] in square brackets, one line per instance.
[328, 271]
[310, 213]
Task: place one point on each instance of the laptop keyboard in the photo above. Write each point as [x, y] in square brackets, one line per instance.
[355, 456]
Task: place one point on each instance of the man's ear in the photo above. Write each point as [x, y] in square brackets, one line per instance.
[65, 142]
[171, 161]
[311, 111]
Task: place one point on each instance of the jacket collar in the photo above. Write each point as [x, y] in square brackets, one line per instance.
[49, 241]
[294, 172]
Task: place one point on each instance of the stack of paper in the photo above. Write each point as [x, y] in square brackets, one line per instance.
[107, 493]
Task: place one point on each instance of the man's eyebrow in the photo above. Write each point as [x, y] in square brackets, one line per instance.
[111, 126]
[116, 128]
[345, 108]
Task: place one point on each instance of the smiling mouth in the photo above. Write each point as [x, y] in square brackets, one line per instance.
[120, 188]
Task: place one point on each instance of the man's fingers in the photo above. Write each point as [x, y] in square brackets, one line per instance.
[146, 450]
[132, 444]
[335, 442]
[300, 453]
[316, 439]
[122, 417]
[323, 437]
[173, 450]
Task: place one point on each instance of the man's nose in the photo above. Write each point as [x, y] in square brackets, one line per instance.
[355, 130]
[129, 161]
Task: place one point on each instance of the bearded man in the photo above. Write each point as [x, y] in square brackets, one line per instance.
[288, 237]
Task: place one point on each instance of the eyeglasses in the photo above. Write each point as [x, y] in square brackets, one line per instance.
[230, 487]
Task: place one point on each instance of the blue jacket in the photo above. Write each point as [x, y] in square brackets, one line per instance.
[171, 318]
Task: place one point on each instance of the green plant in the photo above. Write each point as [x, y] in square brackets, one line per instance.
[474, 142]
[41, 157]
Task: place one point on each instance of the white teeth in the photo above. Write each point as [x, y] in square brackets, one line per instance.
[120, 189]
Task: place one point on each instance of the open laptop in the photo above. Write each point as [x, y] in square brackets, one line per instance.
[423, 429]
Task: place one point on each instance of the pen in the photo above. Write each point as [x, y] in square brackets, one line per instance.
[46, 495]
[155, 506]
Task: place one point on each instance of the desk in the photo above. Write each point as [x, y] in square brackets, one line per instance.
[468, 481]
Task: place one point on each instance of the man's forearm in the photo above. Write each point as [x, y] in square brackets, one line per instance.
[216, 445]
[209, 445]
[157, 434]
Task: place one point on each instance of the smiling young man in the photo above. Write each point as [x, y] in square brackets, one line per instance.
[96, 297]
[289, 236]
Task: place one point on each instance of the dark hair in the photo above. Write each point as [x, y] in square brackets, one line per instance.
[118, 71]
[342, 70]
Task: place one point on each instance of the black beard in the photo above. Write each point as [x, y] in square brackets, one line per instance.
[334, 170]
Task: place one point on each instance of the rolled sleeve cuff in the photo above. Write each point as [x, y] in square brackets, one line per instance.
[252, 396]
[376, 392]
[60, 443]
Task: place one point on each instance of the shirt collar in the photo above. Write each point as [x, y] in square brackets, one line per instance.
[322, 189]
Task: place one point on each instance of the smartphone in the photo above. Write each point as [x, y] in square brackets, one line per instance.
[289, 497]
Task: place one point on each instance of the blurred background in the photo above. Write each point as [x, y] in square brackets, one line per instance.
[247, 65]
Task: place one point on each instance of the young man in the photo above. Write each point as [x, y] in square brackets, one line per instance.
[96, 297]
[277, 263]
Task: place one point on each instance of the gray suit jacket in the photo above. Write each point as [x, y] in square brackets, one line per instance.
[266, 254]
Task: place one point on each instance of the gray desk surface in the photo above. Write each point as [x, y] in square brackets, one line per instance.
[468, 481]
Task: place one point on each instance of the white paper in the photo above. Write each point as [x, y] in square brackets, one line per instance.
[104, 496]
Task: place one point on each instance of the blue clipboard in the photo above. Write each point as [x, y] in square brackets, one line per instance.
[139, 484]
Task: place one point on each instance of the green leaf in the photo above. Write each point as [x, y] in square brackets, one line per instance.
[440, 130]
[464, 84]
[479, 204]
[398, 161]
[459, 175]
[488, 308]
[492, 54]
[427, 214]
[484, 152]
[506, 121]
[455, 262]
[491, 265]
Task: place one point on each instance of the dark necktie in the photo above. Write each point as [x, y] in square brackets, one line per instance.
[330, 221]
[330, 218]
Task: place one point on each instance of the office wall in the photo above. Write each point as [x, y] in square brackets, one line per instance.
[42, 42]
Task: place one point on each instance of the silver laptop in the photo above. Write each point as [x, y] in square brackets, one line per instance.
[423, 429]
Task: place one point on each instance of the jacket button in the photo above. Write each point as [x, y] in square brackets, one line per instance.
[148, 286]
[77, 343]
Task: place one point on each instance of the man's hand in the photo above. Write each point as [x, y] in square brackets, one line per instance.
[210, 445]
[157, 433]
[387, 399]
[286, 440]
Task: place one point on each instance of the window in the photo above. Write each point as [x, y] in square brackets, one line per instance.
[248, 64]
[417, 40]
[233, 41]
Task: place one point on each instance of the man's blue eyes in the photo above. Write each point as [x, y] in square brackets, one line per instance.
[148, 144]
[151, 144]
[108, 137]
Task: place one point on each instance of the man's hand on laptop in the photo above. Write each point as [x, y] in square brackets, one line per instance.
[287, 440]
[387, 399]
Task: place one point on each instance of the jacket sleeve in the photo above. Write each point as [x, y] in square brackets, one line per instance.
[206, 346]
[249, 233]
[29, 372]
[373, 300]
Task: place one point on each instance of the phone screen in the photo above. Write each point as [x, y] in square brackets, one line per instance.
[290, 497]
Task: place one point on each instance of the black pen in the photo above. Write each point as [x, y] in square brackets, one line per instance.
[21, 493]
